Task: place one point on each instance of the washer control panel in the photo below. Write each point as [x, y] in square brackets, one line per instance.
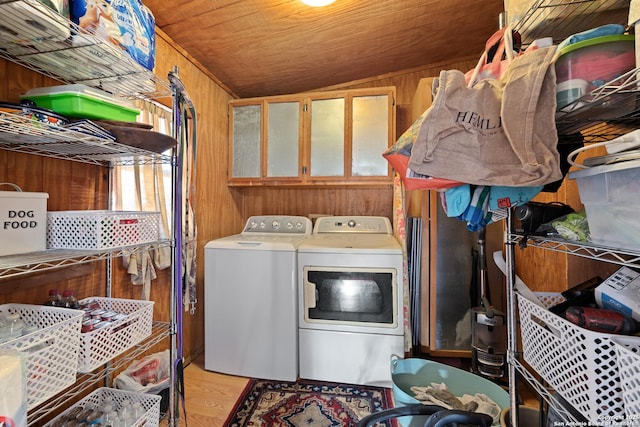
[353, 224]
[278, 224]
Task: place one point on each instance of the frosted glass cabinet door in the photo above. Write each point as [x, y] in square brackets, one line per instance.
[246, 142]
[370, 135]
[327, 137]
[283, 150]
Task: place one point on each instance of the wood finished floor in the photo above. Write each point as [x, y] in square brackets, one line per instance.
[209, 396]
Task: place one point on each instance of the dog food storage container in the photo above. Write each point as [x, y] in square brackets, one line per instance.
[23, 221]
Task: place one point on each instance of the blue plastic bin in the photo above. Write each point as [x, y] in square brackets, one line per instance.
[406, 373]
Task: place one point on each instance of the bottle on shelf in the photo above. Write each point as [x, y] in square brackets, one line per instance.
[55, 299]
[69, 300]
[11, 327]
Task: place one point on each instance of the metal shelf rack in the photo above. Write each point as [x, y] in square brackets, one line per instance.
[68, 54]
[584, 250]
[607, 112]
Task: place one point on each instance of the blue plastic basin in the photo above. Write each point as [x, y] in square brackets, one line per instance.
[406, 373]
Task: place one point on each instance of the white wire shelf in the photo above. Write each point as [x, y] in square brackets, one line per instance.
[20, 133]
[585, 250]
[560, 19]
[21, 264]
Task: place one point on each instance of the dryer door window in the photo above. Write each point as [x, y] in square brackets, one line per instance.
[350, 296]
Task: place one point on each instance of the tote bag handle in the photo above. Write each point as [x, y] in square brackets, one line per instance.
[503, 38]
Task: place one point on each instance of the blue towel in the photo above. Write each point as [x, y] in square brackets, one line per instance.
[477, 214]
[456, 200]
[604, 30]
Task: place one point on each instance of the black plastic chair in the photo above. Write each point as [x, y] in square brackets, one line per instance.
[438, 416]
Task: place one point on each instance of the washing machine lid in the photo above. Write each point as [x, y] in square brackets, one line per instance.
[258, 243]
[267, 232]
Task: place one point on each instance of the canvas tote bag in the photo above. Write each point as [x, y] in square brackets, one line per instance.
[494, 131]
[398, 157]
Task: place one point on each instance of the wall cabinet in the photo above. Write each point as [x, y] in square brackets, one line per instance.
[325, 138]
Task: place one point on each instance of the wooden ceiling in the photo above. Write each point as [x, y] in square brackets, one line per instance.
[272, 47]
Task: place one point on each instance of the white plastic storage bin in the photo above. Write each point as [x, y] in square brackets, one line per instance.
[144, 407]
[610, 196]
[579, 364]
[628, 350]
[101, 229]
[51, 350]
[101, 345]
[23, 221]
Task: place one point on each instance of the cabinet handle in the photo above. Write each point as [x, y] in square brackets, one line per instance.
[304, 170]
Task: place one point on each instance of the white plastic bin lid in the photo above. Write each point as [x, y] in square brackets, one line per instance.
[23, 195]
[597, 170]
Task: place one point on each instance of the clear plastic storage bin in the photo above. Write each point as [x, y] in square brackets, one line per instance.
[610, 196]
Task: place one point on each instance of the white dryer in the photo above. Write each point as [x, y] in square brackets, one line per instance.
[251, 299]
[351, 301]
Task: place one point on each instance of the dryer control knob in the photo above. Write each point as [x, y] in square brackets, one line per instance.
[351, 224]
[275, 225]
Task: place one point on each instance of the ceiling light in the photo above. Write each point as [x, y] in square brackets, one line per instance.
[317, 3]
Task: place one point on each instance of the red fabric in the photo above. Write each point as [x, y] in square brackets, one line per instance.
[400, 162]
[603, 66]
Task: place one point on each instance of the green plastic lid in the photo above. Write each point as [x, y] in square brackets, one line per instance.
[595, 41]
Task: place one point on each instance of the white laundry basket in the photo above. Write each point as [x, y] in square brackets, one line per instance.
[52, 349]
[101, 345]
[628, 350]
[101, 229]
[579, 364]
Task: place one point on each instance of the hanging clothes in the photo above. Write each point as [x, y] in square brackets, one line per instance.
[186, 135]
[150, 193]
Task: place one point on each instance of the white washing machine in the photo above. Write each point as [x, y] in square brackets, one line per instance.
[351, 301]
[251, 299]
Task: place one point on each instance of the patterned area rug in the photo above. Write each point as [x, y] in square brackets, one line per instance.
[307, 404]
